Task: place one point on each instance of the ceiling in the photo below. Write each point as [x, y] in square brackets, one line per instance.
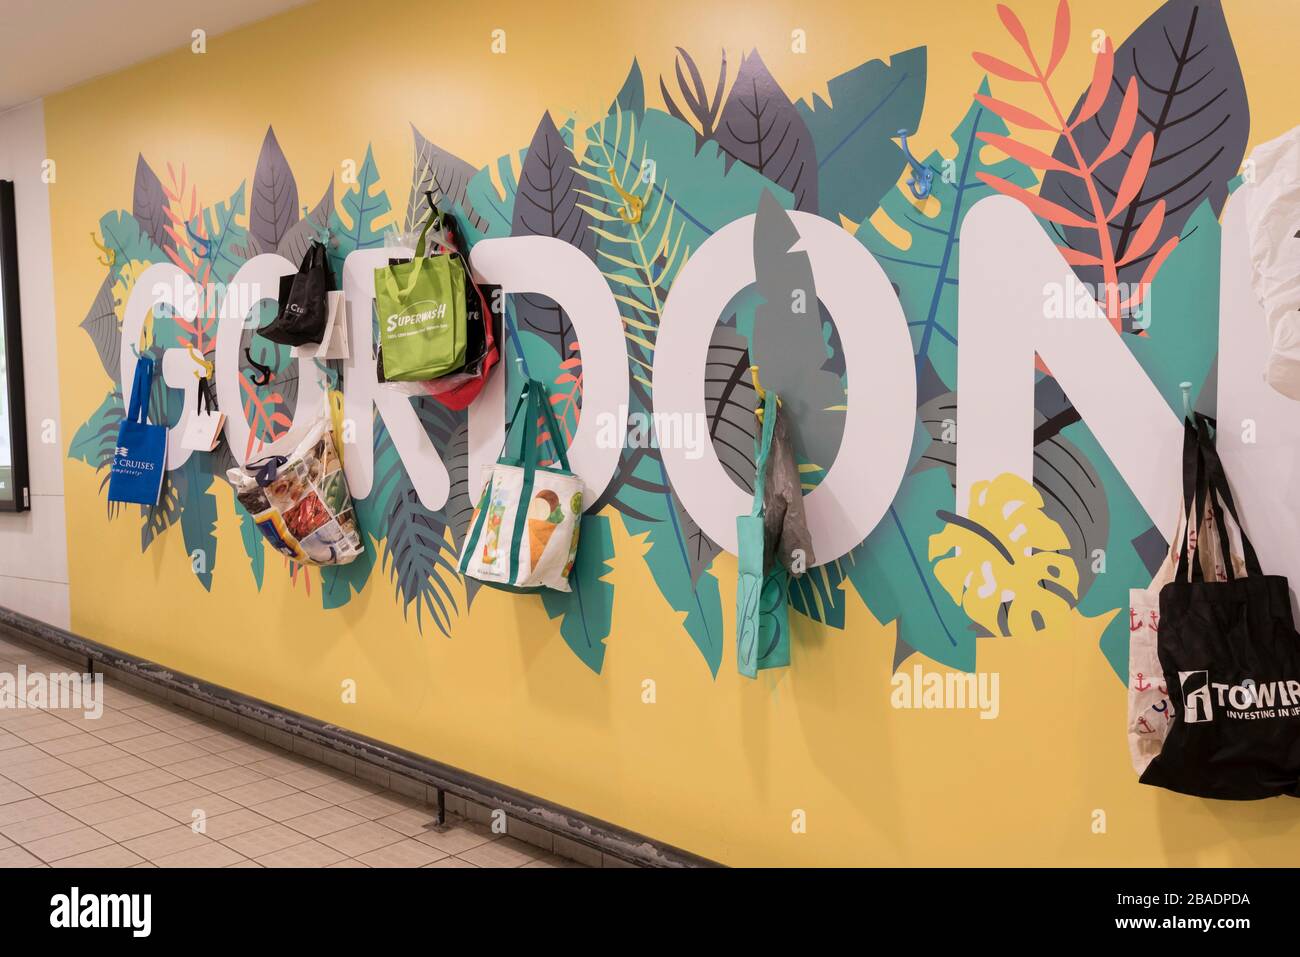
[50, 45]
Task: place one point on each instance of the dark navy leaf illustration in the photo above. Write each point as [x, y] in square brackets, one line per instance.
[273, 207]
[149, 203]
[1192, 99]
[729, 403]
[548, 204]
[857, 158]
[761, 127]
[703, 107]
[448, 176]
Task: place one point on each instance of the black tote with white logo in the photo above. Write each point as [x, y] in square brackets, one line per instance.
[304, 302]
[1231, 657]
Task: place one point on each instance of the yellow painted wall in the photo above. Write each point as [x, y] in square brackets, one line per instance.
[715, 766]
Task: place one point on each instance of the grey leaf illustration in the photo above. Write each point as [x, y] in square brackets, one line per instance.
[460, 501]
[293, 245]
[761, 127]
[700, 549]
[938, 416]
[444, 173]
[105, 331]
[546, 204]
[1192, 99]
[273, 207]
[729, 403]
[787, 342]
[149, 204]
[1074, 498]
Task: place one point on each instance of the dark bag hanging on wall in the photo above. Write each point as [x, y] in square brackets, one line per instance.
[304, 302]
[1231, 657]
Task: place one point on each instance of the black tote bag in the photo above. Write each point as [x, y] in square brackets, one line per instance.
[304, 302]
[1231, 658]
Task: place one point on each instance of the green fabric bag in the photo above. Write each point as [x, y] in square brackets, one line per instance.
[762, 608]
[421, 309]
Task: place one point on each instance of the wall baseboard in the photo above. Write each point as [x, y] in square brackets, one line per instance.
[610, 840]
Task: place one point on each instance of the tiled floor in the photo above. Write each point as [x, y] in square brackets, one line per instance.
[131, 788]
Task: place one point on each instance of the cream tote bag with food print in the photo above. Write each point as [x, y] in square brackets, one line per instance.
[523, 534]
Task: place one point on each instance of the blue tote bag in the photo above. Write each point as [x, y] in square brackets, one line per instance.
[140, 458]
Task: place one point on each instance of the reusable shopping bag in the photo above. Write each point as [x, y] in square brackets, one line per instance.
[1271, 192]
[140, 457]
[1149, 711]
[774, 547]
[421, 309]
[523, 533]
[334, 341]
[483, 323]
[299, 498]
[304, 301]
[1232, 657]
[203, 430]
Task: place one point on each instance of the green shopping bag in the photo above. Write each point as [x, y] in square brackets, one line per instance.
[762, 609]
[421, 309]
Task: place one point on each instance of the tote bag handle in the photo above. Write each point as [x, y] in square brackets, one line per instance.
[535, 399]
[1221, 491]
[140, 386]
[764, 450]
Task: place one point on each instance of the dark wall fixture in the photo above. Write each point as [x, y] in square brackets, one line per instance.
[15, 496]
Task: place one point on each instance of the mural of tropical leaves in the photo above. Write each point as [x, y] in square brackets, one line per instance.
[687, 194]
[890, 570]
[447, 176]
[853, 134]
[1181, 68]
[925, 273]
[729, 403]
[548, 203]
[761, 127]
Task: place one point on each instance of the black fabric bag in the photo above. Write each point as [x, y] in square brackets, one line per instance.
[304, 301]
[1231, 657]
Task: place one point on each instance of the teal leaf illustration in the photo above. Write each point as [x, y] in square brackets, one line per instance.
[198, 516]
[340, 582]
[631, 96]
[857, 158]
[126, 238]
[587, 610]
[366, 205]
[926, 271]
[419, 560]
[94, 442]
[254, 543]
[221, 248]
[818, 594]
[495, 208]
[891, 572]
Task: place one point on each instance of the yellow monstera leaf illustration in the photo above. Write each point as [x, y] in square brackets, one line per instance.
[1005, 552]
